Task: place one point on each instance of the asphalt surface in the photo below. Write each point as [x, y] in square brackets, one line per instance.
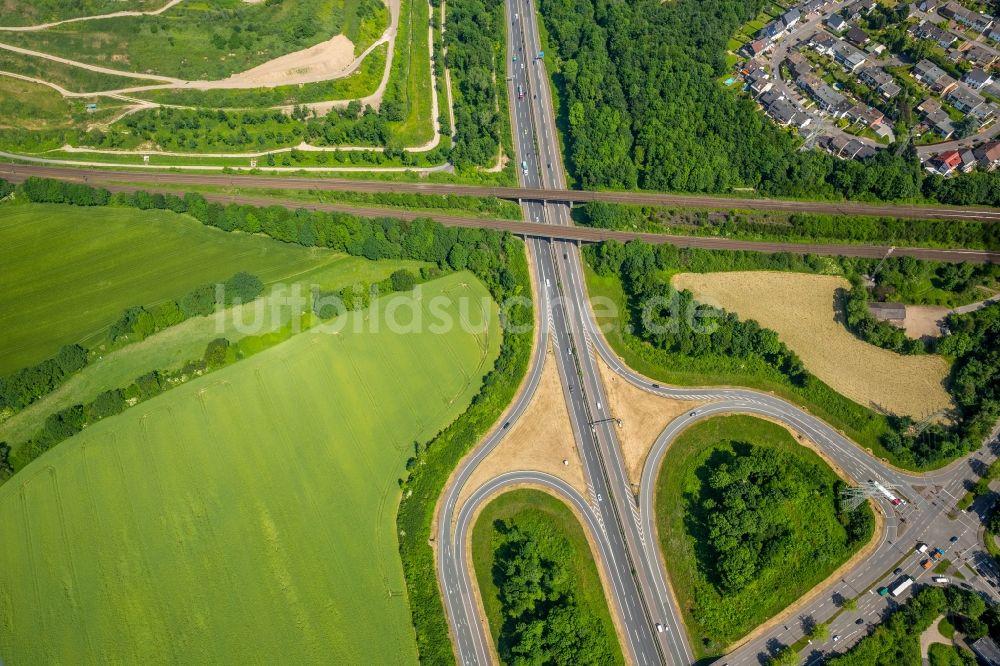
[558, 194]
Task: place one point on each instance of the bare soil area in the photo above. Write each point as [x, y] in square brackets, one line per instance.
[924, 321]
[539, 441]
[326, 60]
[801, 309]
[643, 416]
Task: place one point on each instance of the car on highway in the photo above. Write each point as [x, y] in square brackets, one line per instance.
[660, 628]
[836, 637]
[860, 620]
[506, 425]
[897, 571]
[600, 498]
[953, 539]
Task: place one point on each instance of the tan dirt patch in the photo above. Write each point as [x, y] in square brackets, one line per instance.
[325, 60]
[643, 415]
[539, 441]
[800, 308]
[922, 320]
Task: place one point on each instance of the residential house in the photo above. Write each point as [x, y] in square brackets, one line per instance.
[857, 36]
[786, 114]
[977, 54]
[927, 30]
[858, 9]
[933, 77]
[836, 22]
[859, 150]
[790, 18]
[848, 57]
[969, 161]
[811, 6]
[822, 42]
[758, 82]
[988, 155]
[826, 97]
[964, 99]
[975, 20]
[926, 5]
[880, 80]
[798, 64]
[945, 163]
[977, 78]
[882, 130]
[994, 32]
[772, 32]
[940, 123]
[984, 113]
[756, 47]
[866, 115]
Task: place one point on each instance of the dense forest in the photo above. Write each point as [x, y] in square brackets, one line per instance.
[642, 107]
[474, 41]
[749, 500]
[542, 621]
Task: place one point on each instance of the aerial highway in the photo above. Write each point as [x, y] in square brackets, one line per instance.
[622, 524]
[164, 175]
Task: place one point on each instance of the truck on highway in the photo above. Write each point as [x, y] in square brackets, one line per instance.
[901, 586]
[895, 501]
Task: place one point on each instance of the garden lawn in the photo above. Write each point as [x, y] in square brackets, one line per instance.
[247, 516]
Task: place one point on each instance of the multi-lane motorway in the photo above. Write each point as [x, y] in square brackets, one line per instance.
[622, 524]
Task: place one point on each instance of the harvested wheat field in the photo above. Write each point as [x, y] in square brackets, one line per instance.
[800, 307]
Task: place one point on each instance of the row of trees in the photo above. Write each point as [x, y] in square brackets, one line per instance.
[671, 320]
[327, 305]
[139, 322]
[67, 422]
[769, 226]
[643, 108]
[474, 40]
[542, 621]
[29, 384]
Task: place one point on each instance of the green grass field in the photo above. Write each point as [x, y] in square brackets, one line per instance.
[32, 106]
[35, 12]
[70, 271]
[714, 618]
[194, 40]
[245, 517]
[533, 505]
[272, 313]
